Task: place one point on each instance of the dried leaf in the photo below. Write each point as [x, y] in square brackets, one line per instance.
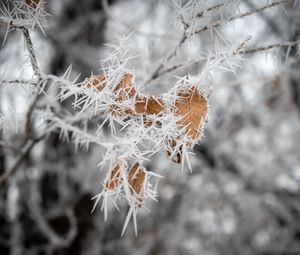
[96, 81]
[114, 179]
[136, 178]
[193, 107]
[149, 105]
[125, 89]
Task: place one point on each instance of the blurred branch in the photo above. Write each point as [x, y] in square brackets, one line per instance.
[28, 123]
[19, 161]
[239, 51]
[200, 14]
[271, 22]
[157, 72]
[10, 146]
[21, 82]
[12, 23]
[242, 15]
[37, 213]
[30, 141]
[268, 47]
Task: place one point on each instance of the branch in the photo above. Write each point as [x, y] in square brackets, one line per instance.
[268, 47]
[13, 23]
[31, 52]
[28, 123]
[29, 139]
[21, 82]
[200, 14]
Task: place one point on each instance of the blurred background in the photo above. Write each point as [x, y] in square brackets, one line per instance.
[243, 196]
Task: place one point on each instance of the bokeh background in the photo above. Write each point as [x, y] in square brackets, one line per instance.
[243, 196]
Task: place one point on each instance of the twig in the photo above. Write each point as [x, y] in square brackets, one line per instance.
[28, 122]
[31, 52]
[29, 138]
[22, 82]
[200, 14]
[12, 23]
[268, 47]
[38, 94]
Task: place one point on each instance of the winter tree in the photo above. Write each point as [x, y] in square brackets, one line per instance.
[149, 127]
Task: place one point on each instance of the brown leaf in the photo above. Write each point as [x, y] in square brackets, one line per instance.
[96, 81]
[149, 105]
[193, 107]
[114, 179]
[125, 89]
[136, 178]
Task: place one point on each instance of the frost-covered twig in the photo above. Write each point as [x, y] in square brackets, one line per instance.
[28, 122]
[29, 46]
[29, 139]
[18, 81]
[18, 14]
[268, 47]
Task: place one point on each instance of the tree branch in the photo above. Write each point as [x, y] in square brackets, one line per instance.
[268, 47]
[31, 52]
